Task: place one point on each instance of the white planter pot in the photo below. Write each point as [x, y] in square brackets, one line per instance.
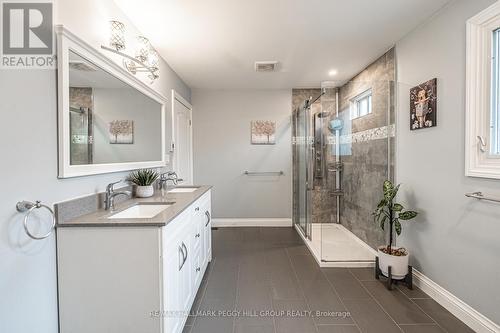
[144, 191]
[399, 264]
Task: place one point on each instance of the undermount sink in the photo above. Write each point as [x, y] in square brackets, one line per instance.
[145, 210]
[183, 190]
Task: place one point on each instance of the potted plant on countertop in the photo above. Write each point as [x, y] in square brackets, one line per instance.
[144, 179]
[392, 213]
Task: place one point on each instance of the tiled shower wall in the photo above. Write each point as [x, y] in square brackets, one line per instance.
[371, 161]
[367, 150]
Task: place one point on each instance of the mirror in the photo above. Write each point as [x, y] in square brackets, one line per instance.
[109, 120]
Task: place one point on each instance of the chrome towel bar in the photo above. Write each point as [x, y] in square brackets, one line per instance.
[265, 173]
[481, 196]
[28, 207]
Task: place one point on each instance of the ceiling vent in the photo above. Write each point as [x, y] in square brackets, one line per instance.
[266, 66]
[78, 65]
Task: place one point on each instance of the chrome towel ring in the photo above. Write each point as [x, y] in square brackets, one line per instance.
[28, 207]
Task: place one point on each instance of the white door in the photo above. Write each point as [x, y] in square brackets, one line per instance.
[183, 139]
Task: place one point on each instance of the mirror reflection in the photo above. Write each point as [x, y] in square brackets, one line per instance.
[110, 121]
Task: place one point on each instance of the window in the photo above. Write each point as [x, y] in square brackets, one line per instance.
[361, 105]
[495, 94]
[482, 117]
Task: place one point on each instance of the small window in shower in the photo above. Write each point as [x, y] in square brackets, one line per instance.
[361, 105]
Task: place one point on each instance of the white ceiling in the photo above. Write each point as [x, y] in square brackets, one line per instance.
[213, 44]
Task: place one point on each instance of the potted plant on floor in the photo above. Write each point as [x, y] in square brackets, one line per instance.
[392, 213]
[144, 179]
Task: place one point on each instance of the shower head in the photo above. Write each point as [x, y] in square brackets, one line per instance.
[336, 124]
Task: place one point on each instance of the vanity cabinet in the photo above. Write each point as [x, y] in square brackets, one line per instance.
[135, 278]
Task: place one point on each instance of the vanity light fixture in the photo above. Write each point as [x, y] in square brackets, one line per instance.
[117, 35]
[154, 64]
[143, 47]
[146, 59]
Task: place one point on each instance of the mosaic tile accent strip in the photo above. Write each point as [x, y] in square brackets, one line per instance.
[365, 136]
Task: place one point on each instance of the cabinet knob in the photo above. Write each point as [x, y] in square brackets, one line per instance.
[198, 269]
[197, 235]
[197, 209]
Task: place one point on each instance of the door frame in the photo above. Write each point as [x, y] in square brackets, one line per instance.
[178, 97]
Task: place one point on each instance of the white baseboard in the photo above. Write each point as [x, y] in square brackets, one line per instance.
[472, 318]
[251, 222]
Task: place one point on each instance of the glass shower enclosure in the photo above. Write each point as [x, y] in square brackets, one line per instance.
[343, 147]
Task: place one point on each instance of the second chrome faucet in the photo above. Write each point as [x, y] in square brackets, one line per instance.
[168, 176]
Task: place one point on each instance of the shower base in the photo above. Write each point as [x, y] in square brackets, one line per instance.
[333, 245]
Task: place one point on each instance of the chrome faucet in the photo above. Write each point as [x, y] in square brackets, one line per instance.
[111, 194]
[166, 176]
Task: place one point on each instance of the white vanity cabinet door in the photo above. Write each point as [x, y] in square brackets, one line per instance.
[185, 286]
[172, 318]
[177, 275]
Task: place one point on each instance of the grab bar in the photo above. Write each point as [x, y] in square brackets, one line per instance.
[256, 173]
[28, 207]
[481, 196]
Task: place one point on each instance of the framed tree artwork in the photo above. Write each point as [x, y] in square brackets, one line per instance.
[423, 105]
[263, 132]
[121, 132]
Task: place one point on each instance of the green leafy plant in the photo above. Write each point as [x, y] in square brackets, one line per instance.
[392, 213]
[143, 177]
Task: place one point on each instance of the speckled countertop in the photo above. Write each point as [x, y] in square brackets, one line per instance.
[100, 218]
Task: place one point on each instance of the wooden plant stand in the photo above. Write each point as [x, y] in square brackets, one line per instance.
[407, 280]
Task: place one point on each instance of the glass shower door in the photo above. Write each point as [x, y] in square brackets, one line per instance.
[302, 149]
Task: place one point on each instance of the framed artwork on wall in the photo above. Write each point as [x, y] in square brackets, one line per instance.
[121, 132]
[423, 105]
[263, 132]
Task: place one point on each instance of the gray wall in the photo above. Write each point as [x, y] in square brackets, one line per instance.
[28, 143]
[455, 241]
[126, 104]
[222, 151]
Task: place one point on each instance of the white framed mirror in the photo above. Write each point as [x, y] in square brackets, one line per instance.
[108, 120]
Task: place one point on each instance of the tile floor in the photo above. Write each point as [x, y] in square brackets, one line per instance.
[269, 269]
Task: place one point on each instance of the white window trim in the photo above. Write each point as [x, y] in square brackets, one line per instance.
[354, 104]
[478, 161]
